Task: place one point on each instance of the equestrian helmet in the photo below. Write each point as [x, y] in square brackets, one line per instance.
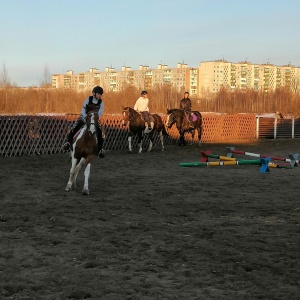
[97, 89]
[144, 93]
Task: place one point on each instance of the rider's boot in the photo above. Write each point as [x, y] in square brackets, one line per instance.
[76, 126]
[101, 152]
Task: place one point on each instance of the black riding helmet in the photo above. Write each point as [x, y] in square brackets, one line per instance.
[144, 93]
[97, 89]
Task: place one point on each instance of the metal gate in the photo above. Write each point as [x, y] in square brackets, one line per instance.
[273, 128]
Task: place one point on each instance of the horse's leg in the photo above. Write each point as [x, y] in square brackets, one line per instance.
[199, 130]
[87, 171]
[183, 142]
[77, 169]
[193, 136]
[150, 141]
[181, 138]
[72, 172]
[161, 137]
[130, 143]
[140, 143]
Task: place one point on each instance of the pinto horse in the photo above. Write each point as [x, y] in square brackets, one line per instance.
[178, 117]
[84, 149]
[137, 127]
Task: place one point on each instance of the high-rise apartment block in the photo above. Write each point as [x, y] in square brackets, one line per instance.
[203, 81]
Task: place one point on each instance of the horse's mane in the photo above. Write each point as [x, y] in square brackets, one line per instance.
[91, 108]
[130, 110]
[174, 110]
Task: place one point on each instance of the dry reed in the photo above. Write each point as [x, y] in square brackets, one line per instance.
[32, 101]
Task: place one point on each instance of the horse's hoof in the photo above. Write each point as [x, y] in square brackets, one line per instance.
[85, 192]
[68, 187]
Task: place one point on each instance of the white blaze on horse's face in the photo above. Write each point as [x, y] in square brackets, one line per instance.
[125, 117]
[169, 120]
[92, 127]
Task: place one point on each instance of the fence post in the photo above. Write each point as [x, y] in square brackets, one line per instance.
[257, 128]
[275, 128]
[293, 127]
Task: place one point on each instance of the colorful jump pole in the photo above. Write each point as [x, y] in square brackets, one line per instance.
[263, 162]
[292, 157]
[207, 154]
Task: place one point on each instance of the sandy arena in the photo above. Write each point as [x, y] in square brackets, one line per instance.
[151, 229]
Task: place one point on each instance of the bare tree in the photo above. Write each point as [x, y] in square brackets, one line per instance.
[45, 81]
[4, 78]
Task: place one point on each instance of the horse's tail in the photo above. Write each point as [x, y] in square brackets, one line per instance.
[159, 120]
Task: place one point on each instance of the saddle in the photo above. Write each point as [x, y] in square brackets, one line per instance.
[193, 116]
[151, 119]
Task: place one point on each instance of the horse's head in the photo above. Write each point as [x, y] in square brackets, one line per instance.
[127, 114]
[171, 117]
[92, 121]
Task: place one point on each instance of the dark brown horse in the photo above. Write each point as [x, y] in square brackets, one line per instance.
[178, 117]
[137, 127]
[84, 149]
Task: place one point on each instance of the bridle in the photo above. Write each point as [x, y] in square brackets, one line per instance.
[91, 127]
[171, 119]
[130, 113]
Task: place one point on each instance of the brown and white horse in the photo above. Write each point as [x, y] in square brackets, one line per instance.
[84, 150]
[137, 127]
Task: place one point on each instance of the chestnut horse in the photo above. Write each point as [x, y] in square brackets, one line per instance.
[178, 117]
[137, 127]
[84, 149]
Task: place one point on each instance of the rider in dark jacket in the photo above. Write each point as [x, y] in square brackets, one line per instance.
[186, 106]
[94, 100]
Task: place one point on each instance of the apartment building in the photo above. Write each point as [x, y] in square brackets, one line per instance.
[203, 81]
[214, 75]
[181, 78]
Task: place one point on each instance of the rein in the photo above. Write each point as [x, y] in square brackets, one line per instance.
[131, 113]
[92, 122]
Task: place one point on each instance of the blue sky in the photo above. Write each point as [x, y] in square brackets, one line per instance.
[78, 35]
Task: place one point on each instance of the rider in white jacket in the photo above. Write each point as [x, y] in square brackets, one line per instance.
[141, 106]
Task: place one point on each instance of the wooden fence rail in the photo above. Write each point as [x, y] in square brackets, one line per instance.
[41, 134]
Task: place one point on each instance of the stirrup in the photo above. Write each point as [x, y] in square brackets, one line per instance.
[102, 153]
[67, 146]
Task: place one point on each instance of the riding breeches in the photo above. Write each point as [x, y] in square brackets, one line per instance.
[147, 117]
[75, 127]
[188, 115]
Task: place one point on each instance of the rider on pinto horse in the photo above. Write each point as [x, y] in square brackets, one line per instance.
[96, 101]
[141, 106]
[186, 106]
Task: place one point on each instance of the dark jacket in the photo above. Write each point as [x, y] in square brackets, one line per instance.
[186, 104]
